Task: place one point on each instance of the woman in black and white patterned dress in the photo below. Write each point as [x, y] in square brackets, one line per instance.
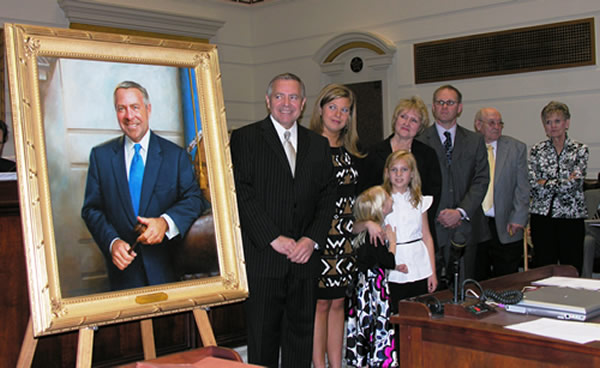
[557, 168]
[334, 117]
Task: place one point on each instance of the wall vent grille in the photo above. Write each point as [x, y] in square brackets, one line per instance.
[551, 46]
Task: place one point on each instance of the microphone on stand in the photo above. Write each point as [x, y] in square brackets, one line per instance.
[458, 242]
[459, 307]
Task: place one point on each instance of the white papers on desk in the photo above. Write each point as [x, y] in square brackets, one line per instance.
[578, 332]
[8, 176]
[572, 282]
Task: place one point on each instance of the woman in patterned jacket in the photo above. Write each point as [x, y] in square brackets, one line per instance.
[557, 168]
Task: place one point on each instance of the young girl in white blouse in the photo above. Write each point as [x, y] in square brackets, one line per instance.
[414, 243]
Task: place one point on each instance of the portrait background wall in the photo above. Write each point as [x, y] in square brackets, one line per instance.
[61, 83]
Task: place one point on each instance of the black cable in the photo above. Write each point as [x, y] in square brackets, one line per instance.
[464, 283]
[504, 297]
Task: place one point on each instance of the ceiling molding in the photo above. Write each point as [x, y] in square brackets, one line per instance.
[118, 16]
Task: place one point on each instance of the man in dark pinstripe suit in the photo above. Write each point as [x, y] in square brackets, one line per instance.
[285, 202]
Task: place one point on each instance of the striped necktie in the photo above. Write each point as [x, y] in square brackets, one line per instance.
[289, 151]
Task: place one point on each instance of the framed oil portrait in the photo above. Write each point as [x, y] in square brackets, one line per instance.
[62, 85]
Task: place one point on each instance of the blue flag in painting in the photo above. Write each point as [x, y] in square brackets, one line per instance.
[192, 127]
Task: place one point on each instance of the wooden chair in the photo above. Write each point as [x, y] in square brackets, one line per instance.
[197, 256]
[527, 243]
[592, 234]
[188, 357]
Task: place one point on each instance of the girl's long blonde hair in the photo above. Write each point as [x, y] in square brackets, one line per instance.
[414, 186]
[369, 207]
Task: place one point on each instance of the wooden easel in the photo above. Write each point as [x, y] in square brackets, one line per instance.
[85, 343]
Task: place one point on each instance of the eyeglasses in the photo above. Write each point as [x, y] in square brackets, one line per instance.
[499, 124]
[447, 102]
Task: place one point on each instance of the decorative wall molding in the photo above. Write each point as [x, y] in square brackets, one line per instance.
[119, 16]
[375, 63]
[353, 40]
[332, 65]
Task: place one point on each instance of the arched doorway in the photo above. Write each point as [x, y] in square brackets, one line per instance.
[361, 60]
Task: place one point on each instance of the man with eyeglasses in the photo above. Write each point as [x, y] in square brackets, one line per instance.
[465, 177]
[506, 203]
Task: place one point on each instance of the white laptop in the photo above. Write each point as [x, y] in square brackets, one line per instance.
[559, 302]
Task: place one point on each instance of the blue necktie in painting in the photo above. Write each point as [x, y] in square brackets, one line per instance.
[448, 146]
[136, 176]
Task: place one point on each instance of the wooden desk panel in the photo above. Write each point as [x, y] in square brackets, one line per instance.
[14, 303]
[460, 342]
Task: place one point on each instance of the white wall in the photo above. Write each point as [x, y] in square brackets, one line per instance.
[520, 97]
[40, 12]
[262, 40]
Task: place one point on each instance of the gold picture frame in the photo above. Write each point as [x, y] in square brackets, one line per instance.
[51, 311]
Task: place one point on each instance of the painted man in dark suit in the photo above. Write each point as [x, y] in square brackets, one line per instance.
[169, 202]
[465, 177]
[285, 208]
[506, 203]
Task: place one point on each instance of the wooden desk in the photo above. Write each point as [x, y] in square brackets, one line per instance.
[461, 342]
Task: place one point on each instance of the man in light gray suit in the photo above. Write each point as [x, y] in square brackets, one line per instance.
[506, 204]
[465, 177]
